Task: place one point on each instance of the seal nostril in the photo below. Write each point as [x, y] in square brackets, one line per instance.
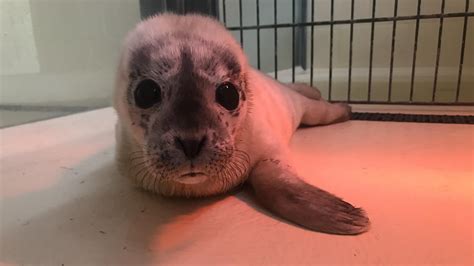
[202, 142]
[191, 147]
[178, 143]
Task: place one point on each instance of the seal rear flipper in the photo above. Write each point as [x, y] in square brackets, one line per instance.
[305, 90]
[285, 194]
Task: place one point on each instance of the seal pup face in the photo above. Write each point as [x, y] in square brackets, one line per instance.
[182, 98]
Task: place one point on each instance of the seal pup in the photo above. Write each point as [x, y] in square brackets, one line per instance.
[195, 119]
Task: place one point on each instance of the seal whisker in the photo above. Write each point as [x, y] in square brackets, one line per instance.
[143, 173]
[140, 163]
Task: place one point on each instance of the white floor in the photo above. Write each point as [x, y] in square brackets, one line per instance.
[63, 202]
[10, 118]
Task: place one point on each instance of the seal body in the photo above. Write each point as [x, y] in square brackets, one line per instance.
[194, 119]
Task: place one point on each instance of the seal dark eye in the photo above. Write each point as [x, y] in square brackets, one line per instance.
[147, 94]
[227, 96]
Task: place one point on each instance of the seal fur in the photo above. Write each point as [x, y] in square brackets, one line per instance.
[188, 57]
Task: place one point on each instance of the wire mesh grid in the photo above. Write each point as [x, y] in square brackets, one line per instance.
[373, 20]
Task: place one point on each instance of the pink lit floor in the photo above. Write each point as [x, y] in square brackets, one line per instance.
[63, 202]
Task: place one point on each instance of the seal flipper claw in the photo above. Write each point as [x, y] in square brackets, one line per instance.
[284, 193]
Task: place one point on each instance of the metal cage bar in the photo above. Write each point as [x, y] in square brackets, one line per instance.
[351, 39]
[415, 49]
[392, 51]
[224, 14]
[463, 46]
[275, 12]
[240, 23]
[438, 51]
[371, 59]
[355, 21]
[258, 34]
[312, 45]
[331, 44]
[293, 43]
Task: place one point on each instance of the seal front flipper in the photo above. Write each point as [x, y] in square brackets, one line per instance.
[281, 191]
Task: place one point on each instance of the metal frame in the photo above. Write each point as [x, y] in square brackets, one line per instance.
[373, 20]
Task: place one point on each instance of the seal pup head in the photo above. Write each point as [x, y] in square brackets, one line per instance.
[181, 96]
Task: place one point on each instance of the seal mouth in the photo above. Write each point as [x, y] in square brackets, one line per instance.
[192, 178]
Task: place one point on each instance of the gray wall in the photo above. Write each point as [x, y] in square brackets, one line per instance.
[68, 49]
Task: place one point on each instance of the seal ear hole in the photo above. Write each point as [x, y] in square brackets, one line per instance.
[227, 96]
[147, 93]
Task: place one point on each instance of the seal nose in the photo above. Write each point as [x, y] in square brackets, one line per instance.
[191, 147]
